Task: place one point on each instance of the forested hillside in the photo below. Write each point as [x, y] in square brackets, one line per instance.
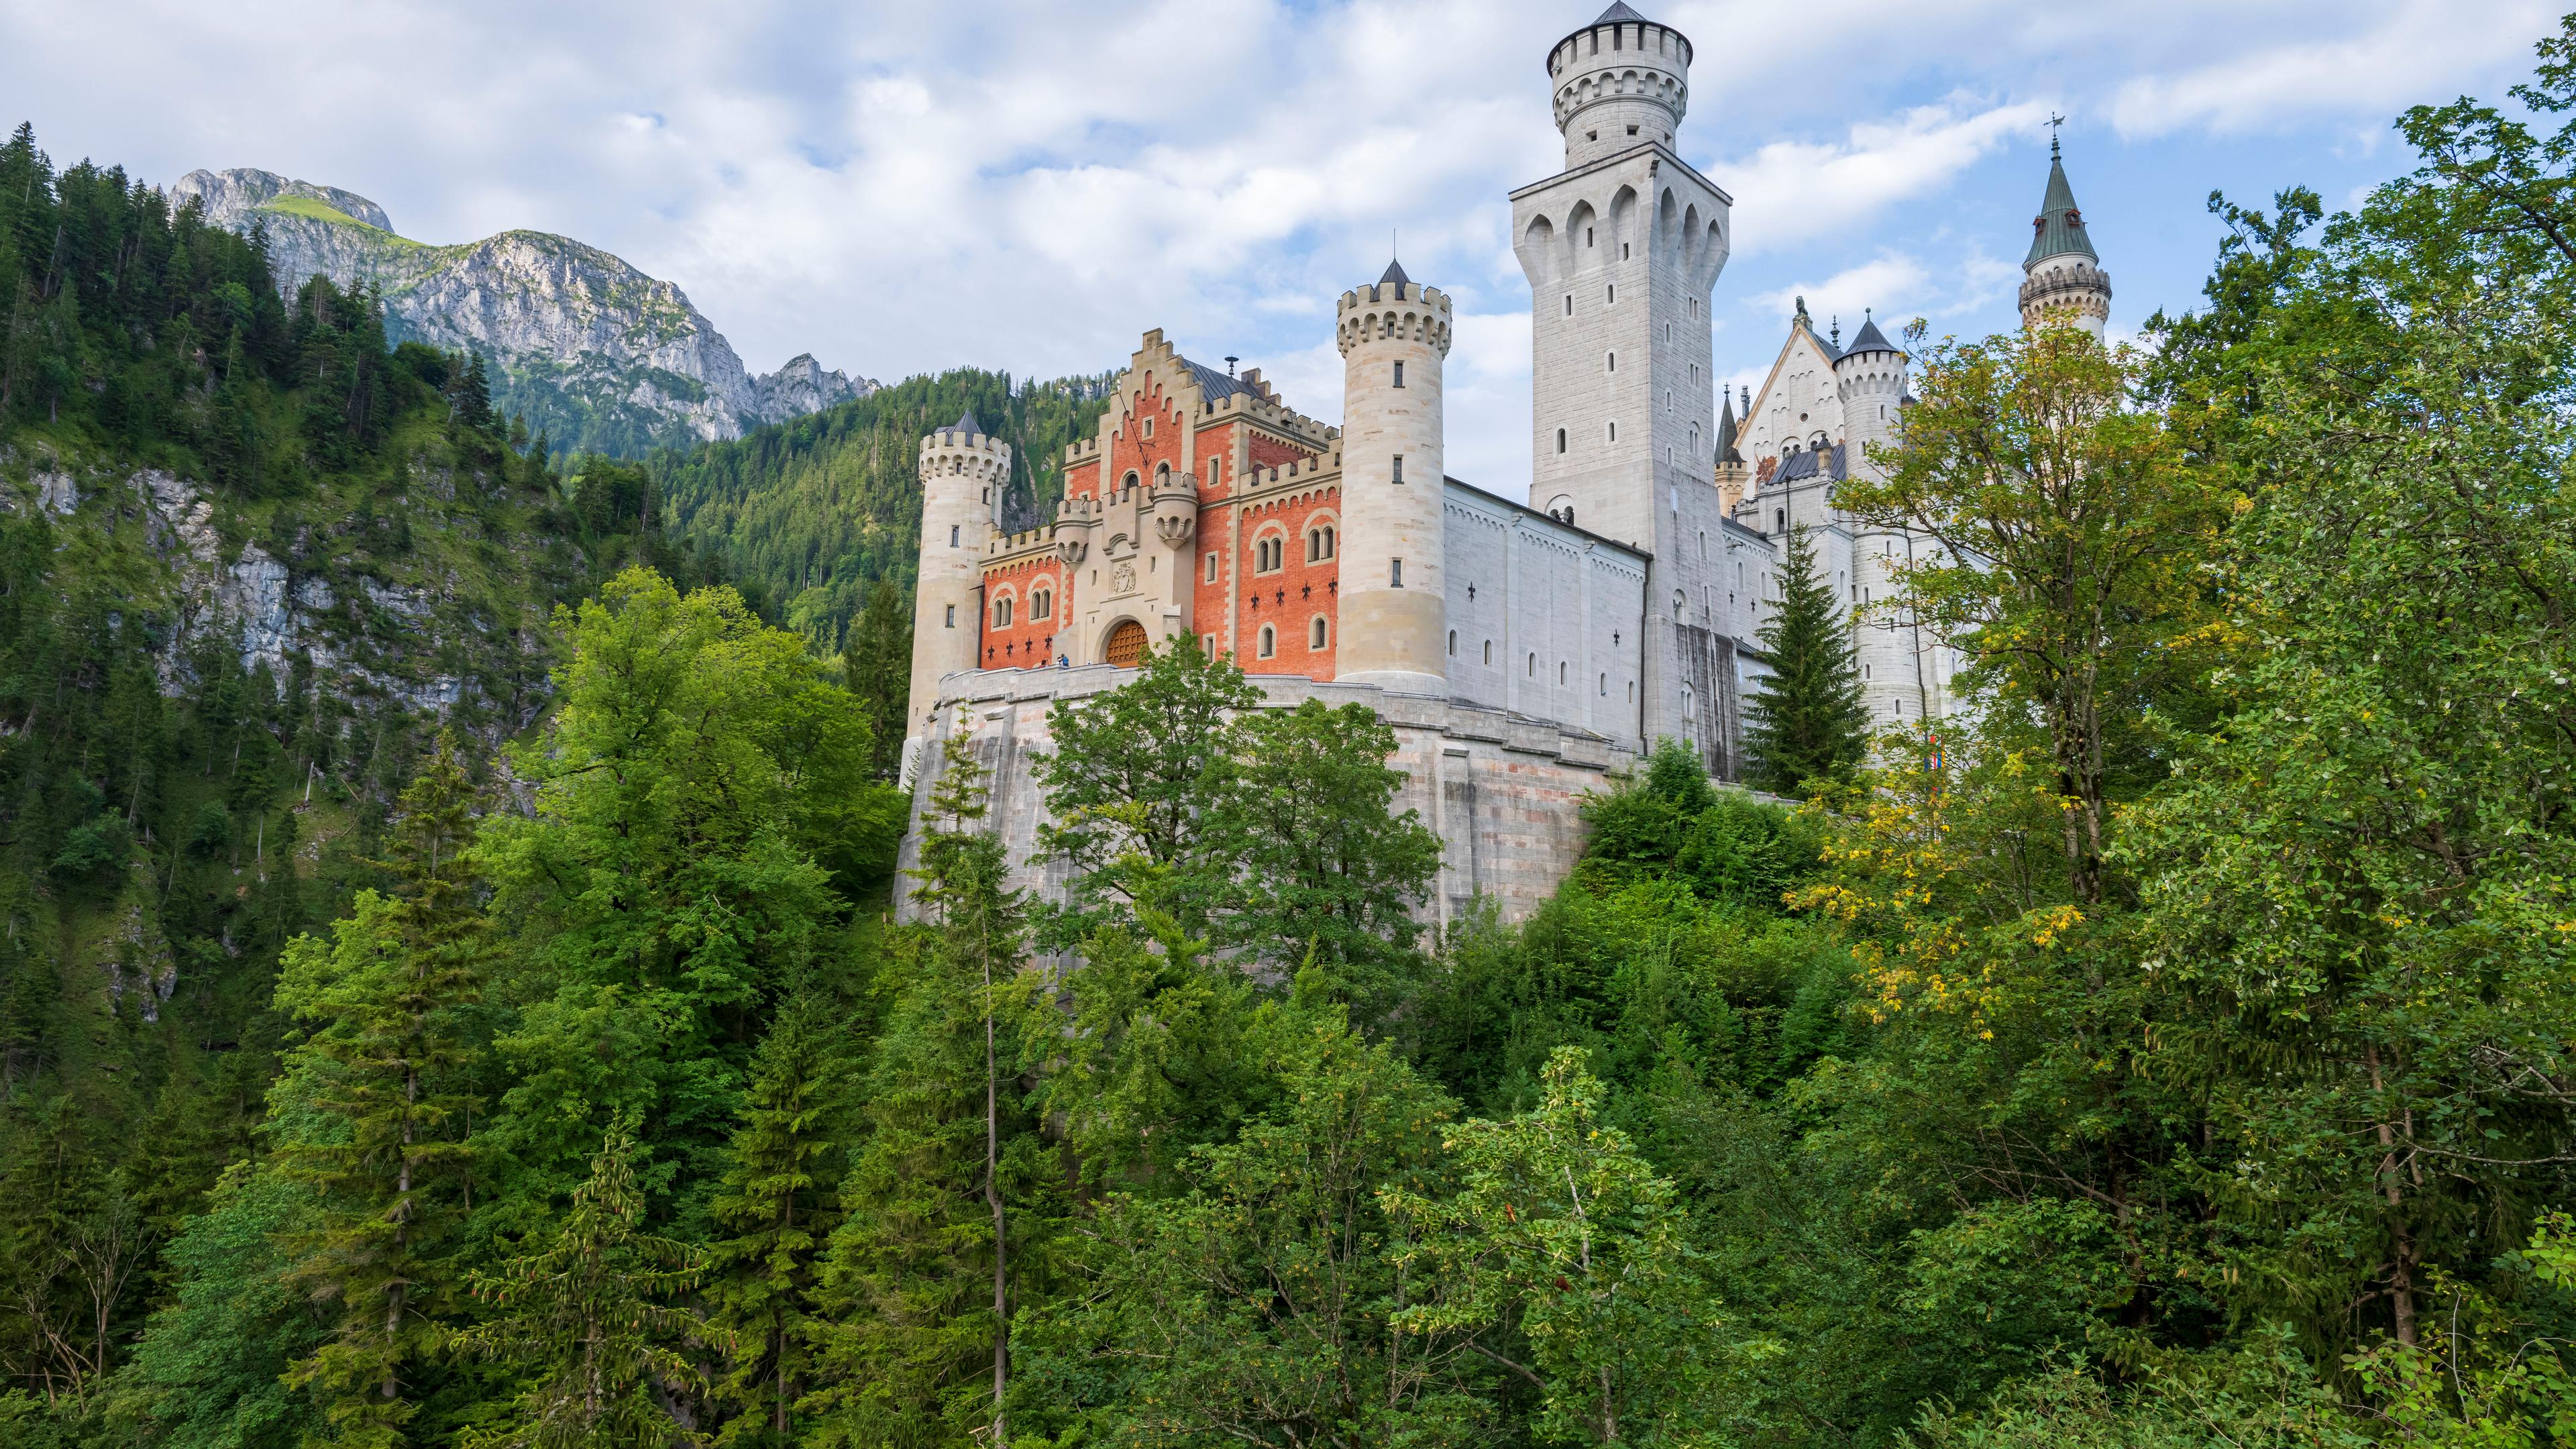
[2172, 1049]
[250, 560]
[809, 514]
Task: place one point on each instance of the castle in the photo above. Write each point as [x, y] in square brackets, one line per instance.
[1522, 651]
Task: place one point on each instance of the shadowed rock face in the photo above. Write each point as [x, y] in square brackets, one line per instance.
[588, 348]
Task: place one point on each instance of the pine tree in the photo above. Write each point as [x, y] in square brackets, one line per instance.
[1807, 723]
[877, 662]
[585, 1320]
[386, 999]
[922, 1276]
[778, 1203]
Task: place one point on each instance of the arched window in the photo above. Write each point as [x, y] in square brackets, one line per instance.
[1319, 543]
[952, 528]
[1560, 447]
[1318, 633]
[1162, 475]
[1560, 674]
[1269, 642]
[1532, 670]
[1614, 432]
[1002, 612]
[1610, 362]
[1132, 479]
[1605, 686]
[1489, 654]
[1453, 643]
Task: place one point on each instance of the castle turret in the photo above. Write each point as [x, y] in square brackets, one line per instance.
[2063, 278]
[1622, 81]
[1393, 336]
[1869, 377]
[963, 474]
[1729, 472]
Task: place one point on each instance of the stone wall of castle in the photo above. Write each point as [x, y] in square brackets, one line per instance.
[1503, 792]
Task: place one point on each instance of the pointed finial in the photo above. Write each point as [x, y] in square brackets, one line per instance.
[1838, 332]
[2054, 122]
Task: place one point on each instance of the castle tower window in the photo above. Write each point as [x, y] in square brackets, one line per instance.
[1614, 432]
[1269, 642]
[1395, 573]
[1560, 674]
[1532, 669]
[1560, 440]
[1002, 613]
[1149, 427]
[952, 616]
[1453, 643]
[1399, 467]
[1316, 633]
[1612, 294]
[1042, 604]
[1162, 475]
[1211, 568]
[1610, 362]
[1399, 374]
[1489, 654]
[1623, 246]
[1319, 543]
[1605, 686]
[1207, 645]
[1587, 236]
[952, 536]
[1569, 304]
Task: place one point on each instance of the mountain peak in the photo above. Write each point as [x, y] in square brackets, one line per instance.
[229, 197]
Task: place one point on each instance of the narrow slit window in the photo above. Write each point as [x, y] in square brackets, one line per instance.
[1399, 374]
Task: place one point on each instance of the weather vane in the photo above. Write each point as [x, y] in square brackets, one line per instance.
[2054, 121]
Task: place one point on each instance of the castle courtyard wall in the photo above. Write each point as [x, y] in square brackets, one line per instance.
[1503, 792]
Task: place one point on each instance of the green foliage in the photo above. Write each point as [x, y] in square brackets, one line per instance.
[1806, 726]
[1268, 832]
[582, 1322]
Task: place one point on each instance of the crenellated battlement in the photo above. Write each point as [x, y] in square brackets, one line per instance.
[1392, 311]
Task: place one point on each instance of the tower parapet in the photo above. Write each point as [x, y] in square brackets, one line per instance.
[1393, 337]
[964, 471]
[1622, 81]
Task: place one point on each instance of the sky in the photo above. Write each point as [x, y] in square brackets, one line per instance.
[1030, 186]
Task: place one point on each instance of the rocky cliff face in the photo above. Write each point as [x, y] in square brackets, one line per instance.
[591, 350]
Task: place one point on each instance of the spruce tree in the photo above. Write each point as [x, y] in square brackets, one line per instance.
[387, 1001]
[777, 1203]
[1806, 725]
[922, 1278]
[877, 661]
[584, 1320]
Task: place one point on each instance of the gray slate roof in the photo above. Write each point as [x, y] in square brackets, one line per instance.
[1619, 11]
[1809, 463]
[1870, 339]
[1215, 383]
[2058, 230]
[1395, 275]
[965, 424]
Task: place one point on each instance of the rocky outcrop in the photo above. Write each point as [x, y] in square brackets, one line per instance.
[585, 346]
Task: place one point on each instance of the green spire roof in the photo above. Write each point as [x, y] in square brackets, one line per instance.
[2058, 230]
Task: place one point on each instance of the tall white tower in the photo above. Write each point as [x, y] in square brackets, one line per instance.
[1620, 249]
[963, 473]
[1394, 614]
[2063, 278]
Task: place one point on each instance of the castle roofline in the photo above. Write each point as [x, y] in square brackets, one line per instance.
[1667, 154]
[1519, 507]
[1870, 339]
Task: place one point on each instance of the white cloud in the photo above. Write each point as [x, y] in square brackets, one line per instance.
[2416, 48]
[1796, 191]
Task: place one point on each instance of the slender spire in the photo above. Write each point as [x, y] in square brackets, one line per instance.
[2058, 230]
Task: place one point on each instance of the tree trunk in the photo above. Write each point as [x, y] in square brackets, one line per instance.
[2401, 1268]
[993, 1198]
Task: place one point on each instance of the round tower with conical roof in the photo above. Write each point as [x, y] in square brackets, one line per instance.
[2063, 280]
[1869, 377]
[1393, 612]
[964, 471]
